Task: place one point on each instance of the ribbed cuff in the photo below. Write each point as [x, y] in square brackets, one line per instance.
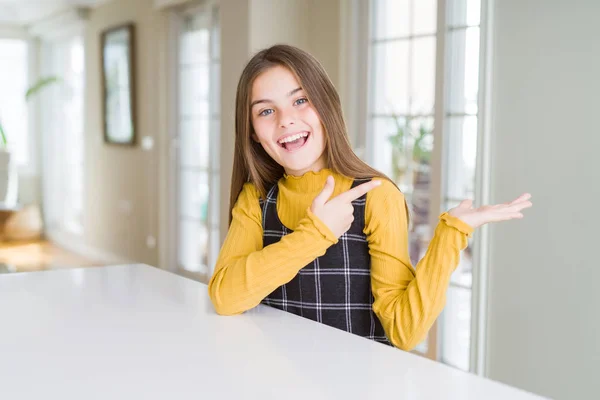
[321, 227]
[457, 224]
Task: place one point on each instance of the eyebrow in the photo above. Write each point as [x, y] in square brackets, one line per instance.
[255, 102]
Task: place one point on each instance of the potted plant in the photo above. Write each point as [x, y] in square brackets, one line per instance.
[8, 169]
[411, 153]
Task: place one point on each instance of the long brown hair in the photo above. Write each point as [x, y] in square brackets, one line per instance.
[251, 163]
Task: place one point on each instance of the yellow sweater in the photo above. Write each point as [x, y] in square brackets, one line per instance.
[407, 301]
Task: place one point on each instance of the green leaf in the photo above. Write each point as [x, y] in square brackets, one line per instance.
[41, 84]
[420, 153]
[397, 140]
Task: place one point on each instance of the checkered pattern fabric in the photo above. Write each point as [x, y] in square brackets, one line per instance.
[334, 289]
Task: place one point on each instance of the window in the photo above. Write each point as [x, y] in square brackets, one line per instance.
[14, 67]
[62, 113]
[401, 112]
[198, 133]
[401, 117]
[460, 155]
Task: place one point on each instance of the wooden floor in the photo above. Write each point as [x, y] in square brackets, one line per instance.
[38, 256]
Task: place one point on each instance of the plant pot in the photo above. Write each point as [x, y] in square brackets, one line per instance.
[9, 179]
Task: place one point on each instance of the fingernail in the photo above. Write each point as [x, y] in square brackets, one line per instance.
[377, 183]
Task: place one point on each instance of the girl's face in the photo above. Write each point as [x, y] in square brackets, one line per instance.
[285, 123]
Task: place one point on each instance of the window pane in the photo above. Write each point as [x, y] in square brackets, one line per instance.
[215, 82]
[199, 133]
[464, 70]
[463, 275]
[391, 19]
[193, 241]
[461, 151]
[425, 16]
[456, 328]
[463, 12]
[402, 150]
[194, 195]
[214, 201]
[194, 41]
[13, 107]
[388, 146]
[215, 144]
[194, 147]
[390, 77]
[62, 109]
[419, 185]
[421, 132]
[194, 89]
[73, 154]
[423, 76]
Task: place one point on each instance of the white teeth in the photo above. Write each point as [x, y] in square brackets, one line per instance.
[293, 137]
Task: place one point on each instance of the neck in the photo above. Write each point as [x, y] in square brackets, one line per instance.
[301, 172]
[312, 181]
[317, 166]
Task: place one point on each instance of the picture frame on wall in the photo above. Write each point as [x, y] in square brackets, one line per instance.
[118, 84]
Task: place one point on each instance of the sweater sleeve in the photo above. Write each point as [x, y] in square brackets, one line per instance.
[408, 301]
[245, 272]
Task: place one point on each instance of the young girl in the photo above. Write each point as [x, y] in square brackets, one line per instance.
[317, 232]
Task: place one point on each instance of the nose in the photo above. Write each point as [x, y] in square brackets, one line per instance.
[287, 118]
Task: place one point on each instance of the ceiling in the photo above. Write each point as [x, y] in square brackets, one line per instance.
[25, 12]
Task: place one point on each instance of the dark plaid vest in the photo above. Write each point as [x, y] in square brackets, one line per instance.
[334, 289]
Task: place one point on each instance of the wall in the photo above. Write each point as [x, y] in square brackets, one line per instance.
[312, 25]
[235, 51]
[544, 322]
[121, 188]
[273, 21]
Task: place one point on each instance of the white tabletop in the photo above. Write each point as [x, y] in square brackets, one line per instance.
[137, 332]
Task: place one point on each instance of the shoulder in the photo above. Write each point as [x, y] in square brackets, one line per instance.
[249, 191]
[385, 204]
[385, 192]
[247, 203]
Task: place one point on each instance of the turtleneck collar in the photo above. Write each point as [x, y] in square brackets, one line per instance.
[309, 182]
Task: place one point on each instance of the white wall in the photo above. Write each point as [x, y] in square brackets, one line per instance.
[544, 303]
[121, 184]
[235, 51]
[273, 21]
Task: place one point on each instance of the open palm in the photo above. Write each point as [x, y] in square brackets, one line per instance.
[477, 217]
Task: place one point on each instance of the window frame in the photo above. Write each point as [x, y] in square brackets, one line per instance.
[357, 17]
[170, 248]
[49, 49]
[31, 167]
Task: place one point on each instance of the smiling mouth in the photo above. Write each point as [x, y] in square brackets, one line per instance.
[294, 142]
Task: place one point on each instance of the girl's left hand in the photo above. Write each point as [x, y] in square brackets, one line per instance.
[477, 217]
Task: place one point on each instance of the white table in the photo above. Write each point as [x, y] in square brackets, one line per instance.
[137, 332]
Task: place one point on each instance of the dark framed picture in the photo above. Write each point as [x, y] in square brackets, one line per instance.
[117, 47]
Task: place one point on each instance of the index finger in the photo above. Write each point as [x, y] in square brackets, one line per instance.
[360, 190]
[523, 197]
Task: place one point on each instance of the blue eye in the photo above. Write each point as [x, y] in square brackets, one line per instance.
[301, 101]
[266, 112]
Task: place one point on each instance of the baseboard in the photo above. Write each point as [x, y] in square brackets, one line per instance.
[76, 245]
